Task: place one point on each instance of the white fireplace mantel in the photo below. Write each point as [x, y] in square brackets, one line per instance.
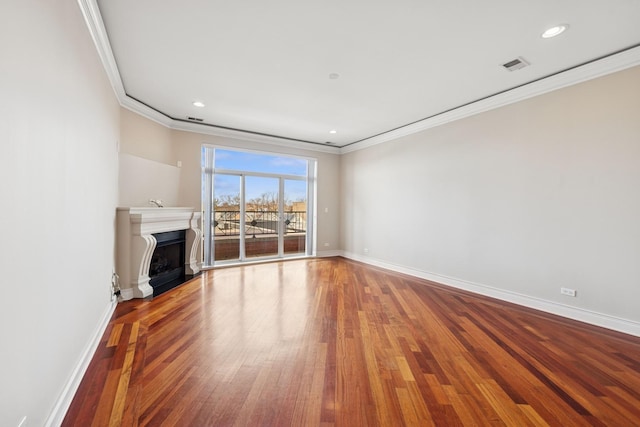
[136, 243]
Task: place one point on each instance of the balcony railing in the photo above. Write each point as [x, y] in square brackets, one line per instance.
[227, 223]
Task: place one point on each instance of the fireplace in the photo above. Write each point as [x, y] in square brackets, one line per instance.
[166, 270]
[156, 249]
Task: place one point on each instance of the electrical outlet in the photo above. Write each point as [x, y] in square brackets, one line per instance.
[326, 245]
[568, 292]
[366, 250]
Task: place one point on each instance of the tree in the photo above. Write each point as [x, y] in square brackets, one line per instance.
[264, 202]
[227, 202]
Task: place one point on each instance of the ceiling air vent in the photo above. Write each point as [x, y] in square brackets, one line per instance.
[194, 119]
[516, 64]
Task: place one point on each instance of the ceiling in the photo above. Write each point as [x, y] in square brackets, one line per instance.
[297, 70]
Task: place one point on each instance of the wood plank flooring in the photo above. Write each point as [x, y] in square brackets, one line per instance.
[332, 342]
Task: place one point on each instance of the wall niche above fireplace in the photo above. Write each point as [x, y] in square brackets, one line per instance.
[145, 271]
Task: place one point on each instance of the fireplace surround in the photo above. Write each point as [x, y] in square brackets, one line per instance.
[135, 243]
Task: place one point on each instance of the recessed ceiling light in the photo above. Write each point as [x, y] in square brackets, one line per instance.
[198, 103]
[333, 131]
[555, 31]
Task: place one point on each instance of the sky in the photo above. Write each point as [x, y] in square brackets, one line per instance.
[256, 186]
[254, 162]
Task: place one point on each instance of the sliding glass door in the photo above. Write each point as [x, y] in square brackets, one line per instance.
[262, 216]
[295, 217]
[226, 217]
[257, 206]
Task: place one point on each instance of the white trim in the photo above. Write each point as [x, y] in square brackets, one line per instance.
[93, 19]
[253, 137]
[611, 64]
[71, 387]
[250, 261]
[326, 254]
[125, 295]
[580, 314]
[145, 111]
[136, 242]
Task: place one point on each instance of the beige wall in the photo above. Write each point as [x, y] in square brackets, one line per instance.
[145, 138]
[59, 130]
[521, 200]
[150, 179]
[148, 169]
[185, 147]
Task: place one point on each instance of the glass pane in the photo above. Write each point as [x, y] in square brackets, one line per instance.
[265, 163]
[248, 214]
[261, 216]
[295, 216]
[226, 217]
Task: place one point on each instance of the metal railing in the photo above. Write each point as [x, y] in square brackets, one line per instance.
[227, 223]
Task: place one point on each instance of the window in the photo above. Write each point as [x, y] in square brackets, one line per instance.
[256, 205]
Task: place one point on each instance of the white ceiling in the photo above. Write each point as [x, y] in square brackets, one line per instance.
[263, 66]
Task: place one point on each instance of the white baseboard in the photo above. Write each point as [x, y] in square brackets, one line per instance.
[71, 387]
[126, 294]
[587, 316]
[326, 254]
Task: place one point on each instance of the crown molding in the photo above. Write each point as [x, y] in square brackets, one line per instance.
[93, 19]
[598, 68]
[205, 129]
[254, 137]
[145, 111]
[610, 64]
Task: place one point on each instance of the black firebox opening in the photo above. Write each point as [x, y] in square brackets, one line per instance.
[166, 270]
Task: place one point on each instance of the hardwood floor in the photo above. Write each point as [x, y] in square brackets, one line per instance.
[326, 342]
